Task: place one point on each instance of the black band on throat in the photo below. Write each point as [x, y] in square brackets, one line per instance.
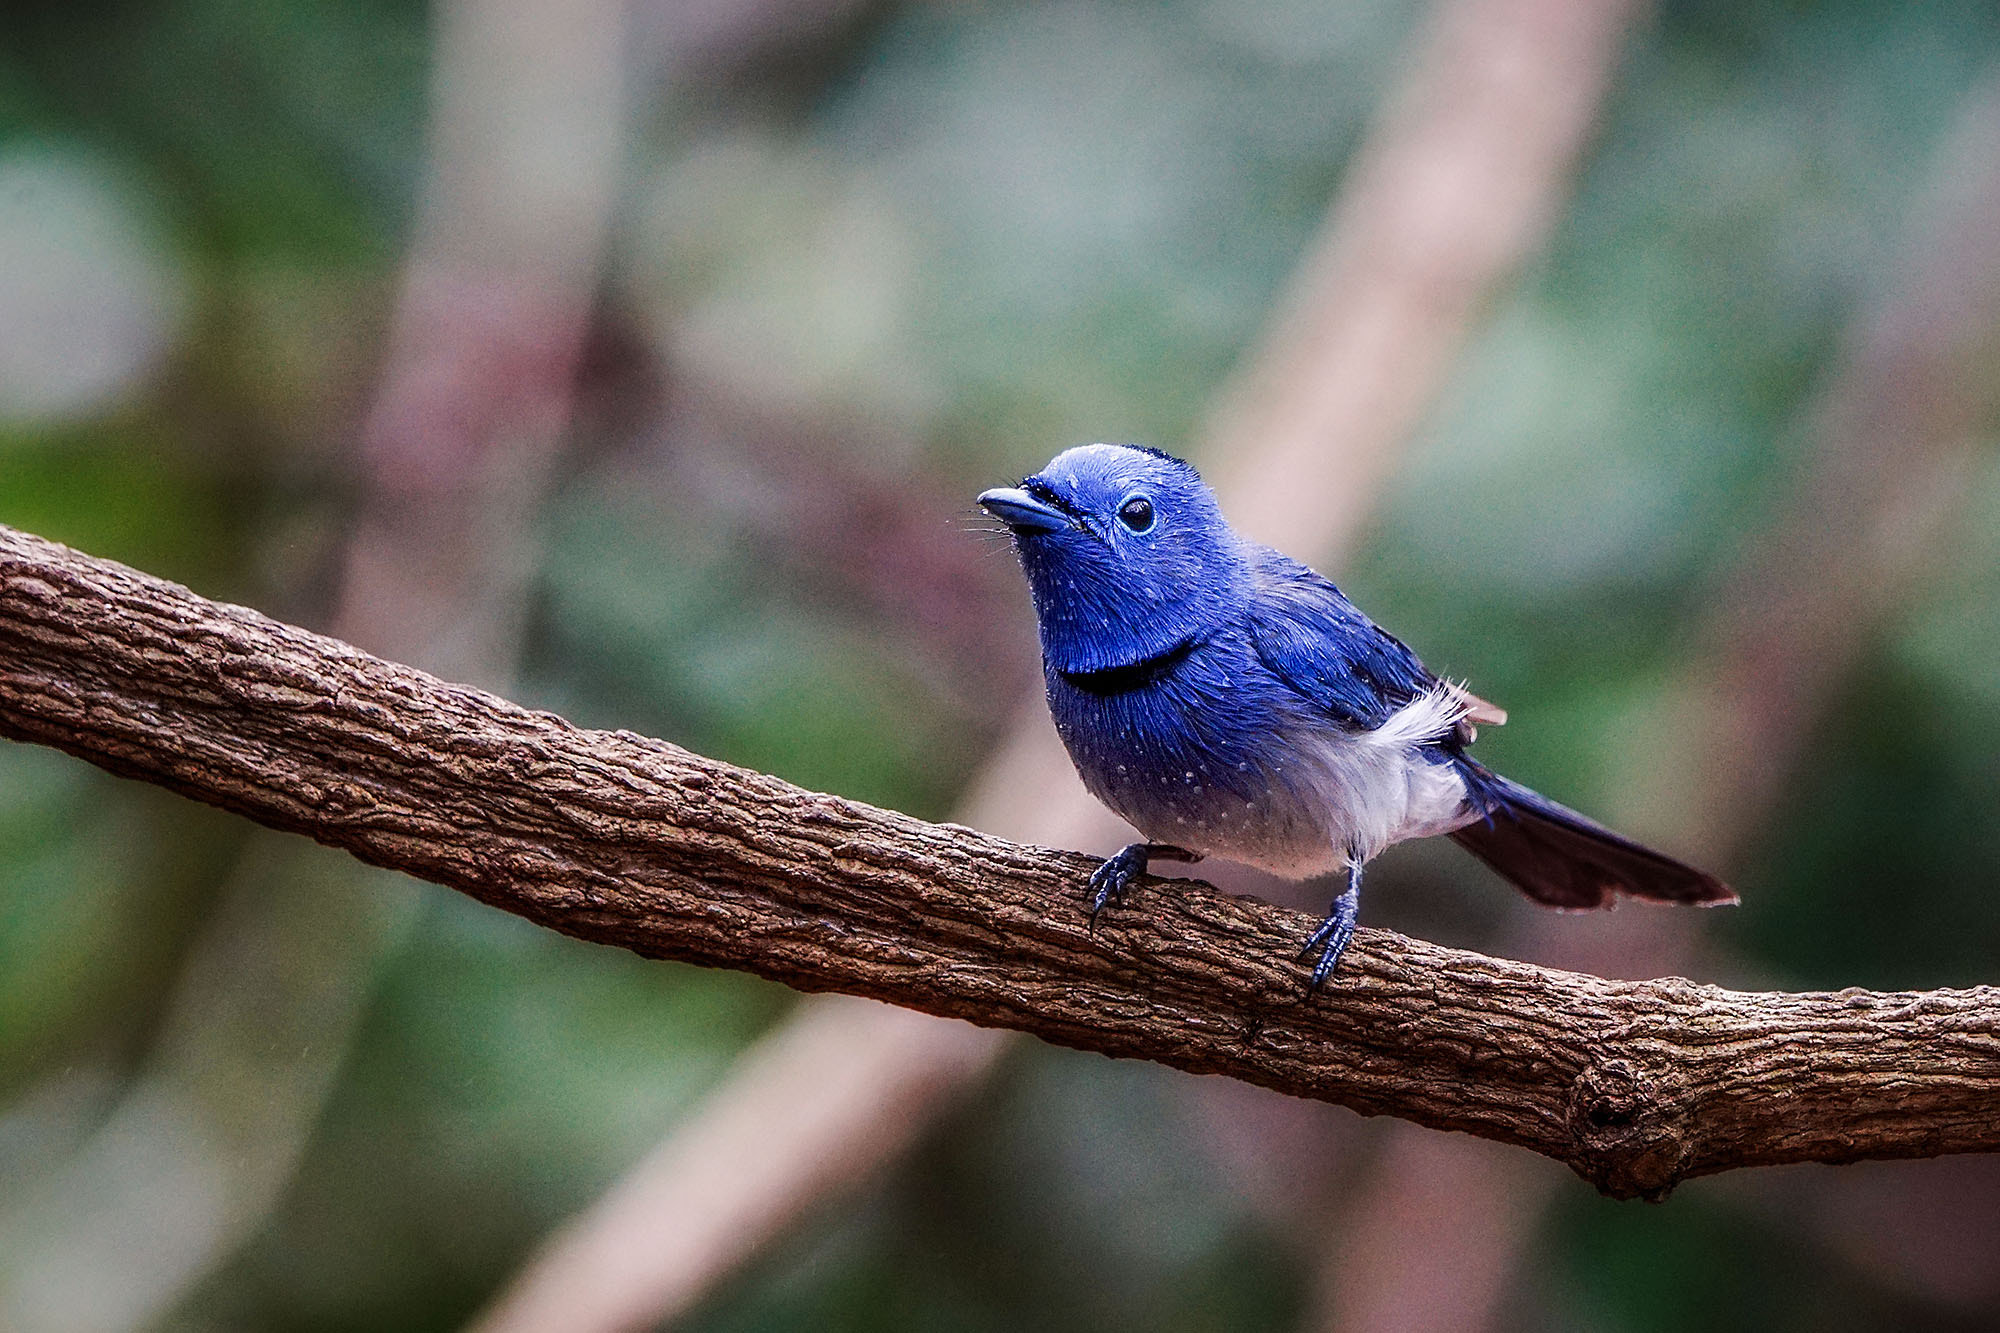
[1132, 675]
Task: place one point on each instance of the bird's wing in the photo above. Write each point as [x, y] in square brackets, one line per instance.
[1320, 644]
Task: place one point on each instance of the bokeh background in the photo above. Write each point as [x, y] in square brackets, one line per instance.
[639, 359]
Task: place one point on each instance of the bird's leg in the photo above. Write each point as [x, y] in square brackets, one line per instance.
[1333, 934]
[1108, 881]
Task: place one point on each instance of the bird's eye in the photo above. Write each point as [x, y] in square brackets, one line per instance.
[1137, 514]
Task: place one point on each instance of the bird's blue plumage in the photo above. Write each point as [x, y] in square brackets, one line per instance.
[1227, 699]
[1320, 644]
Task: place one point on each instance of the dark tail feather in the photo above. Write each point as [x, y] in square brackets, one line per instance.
[1559, 857]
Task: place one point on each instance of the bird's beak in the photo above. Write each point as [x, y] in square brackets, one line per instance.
[1021, 511]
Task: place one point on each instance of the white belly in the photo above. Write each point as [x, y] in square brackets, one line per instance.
[1332, 796]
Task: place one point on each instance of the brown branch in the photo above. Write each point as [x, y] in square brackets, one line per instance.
[623, 840]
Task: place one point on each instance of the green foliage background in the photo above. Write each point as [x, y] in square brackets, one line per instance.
[915, 253]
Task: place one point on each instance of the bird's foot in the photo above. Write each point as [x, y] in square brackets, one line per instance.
[1330, 940]
[1110, 880]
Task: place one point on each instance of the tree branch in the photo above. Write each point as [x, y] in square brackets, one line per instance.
[616, 838]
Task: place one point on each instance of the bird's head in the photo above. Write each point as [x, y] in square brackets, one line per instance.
[1126, 552]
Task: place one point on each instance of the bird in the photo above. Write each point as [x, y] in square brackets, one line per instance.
[1227, 700]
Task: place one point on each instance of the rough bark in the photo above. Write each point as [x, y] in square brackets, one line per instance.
[625, 840]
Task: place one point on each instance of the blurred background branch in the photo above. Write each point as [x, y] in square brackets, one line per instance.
[455, 454]
[1893, 437]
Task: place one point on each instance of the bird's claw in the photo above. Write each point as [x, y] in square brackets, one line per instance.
[1110, 880]
[1331, 938]
[1331, 941]
[1315, 940]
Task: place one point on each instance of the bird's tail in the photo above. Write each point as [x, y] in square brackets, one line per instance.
[1559, 857]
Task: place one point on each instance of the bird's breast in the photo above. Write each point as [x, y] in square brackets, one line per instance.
[1221, 757]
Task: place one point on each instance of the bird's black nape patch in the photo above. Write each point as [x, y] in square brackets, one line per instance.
[1163, 456]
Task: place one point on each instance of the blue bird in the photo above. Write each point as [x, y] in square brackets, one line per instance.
[1226, 700]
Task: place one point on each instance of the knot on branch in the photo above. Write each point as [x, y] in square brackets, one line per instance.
[1631, 1136]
